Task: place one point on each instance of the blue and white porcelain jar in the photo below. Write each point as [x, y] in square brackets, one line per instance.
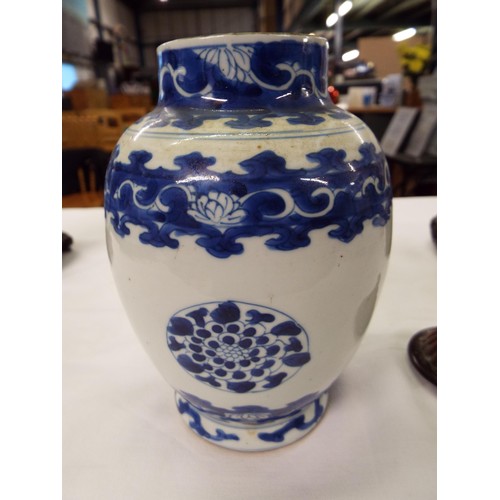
[248, 226]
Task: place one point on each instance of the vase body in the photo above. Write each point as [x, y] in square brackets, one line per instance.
[248, 225]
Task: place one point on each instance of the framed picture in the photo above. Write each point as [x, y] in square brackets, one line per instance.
[398, 129]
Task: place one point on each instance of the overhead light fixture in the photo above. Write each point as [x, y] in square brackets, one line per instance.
[345, 8]
[404, 35]
[332, 19]
[350, 56]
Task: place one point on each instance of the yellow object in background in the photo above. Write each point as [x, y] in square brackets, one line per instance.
[414, 58]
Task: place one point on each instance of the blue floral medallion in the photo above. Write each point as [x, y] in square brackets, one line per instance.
[237, 347]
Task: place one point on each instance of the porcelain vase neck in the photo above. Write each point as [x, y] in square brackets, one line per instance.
[244, 72]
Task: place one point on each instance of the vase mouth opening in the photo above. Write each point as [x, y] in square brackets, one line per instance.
[244, 38]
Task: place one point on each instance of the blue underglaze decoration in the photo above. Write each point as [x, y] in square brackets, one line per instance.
[281, 74]
[192, 119]
[196, 425]
[222, 344]
[267, 200]
[298, 423]
[249, 414]
[244, 122]
[305, 119]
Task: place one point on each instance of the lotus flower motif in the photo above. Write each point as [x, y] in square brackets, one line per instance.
[233, 61]
[217, 208]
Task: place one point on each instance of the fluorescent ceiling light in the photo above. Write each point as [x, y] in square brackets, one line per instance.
[404, 35]
[345, 8]
[349, 56]
[332, 19]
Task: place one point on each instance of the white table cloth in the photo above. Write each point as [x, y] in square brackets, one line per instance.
[123, 438]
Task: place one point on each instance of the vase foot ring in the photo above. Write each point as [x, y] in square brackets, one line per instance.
[268, 436]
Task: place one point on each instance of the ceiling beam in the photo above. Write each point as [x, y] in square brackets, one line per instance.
[404, 7]
[364, 24]
[399, 22]
[155, 5]
[367, 8]
[309, 11]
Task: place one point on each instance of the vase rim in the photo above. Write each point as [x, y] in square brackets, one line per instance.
[249, 37]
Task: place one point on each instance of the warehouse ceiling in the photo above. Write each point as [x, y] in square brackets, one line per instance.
[366, 18]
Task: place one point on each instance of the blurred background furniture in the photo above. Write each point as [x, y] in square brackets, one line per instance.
[83, 172]
[413, 176]
[88, 138]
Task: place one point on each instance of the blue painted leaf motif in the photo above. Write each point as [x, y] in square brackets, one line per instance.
[240, 387]
[180, 326]
[275, 380]
[210, 379]
[286, 328]
[199, 316]
[232, 60]
[187, 363]
[297, 359]
[269, 363]
[257, 317]
[272, 350]
[294, 345]
[203, 333]
[174, 345]
[227, 312]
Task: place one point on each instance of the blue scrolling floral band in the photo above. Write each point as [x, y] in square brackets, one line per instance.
[267, 200]
[244, 74]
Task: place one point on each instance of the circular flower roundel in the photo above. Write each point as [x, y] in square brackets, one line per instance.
[236, 346]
